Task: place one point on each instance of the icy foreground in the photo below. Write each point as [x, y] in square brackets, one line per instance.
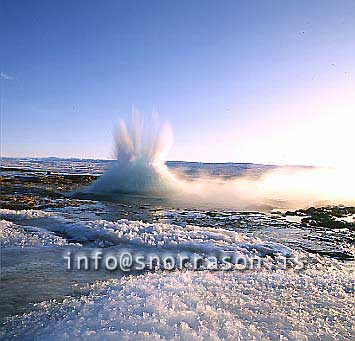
[201, 305]
[314, 303]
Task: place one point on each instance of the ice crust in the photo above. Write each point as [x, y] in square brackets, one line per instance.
[162, 235]
[14, 235]
[317, 304]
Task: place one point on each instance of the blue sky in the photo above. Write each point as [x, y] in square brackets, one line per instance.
[241, 81]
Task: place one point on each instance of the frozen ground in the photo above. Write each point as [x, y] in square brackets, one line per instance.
[317, 304]
[41, 300]
[267, 304]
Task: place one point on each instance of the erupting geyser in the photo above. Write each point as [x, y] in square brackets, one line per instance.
[139, 168]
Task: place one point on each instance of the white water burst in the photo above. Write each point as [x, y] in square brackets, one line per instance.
[140, 151]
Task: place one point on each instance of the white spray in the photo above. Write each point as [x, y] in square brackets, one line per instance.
[139, 167]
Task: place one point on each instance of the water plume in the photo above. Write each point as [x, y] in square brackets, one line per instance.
[140, 149]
